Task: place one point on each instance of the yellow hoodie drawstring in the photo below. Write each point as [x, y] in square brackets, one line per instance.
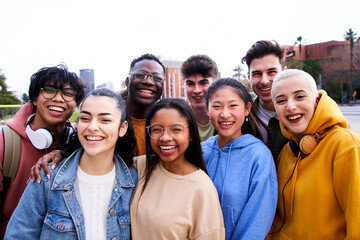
[293, 186]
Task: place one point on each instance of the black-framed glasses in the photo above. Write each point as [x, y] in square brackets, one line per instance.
[155, 131]
[68, 94]
[156, 78]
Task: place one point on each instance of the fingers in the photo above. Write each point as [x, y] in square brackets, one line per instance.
[57, 158]
[35, 172]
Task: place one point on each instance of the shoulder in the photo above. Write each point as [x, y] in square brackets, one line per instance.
[202, 184]
[140, 164]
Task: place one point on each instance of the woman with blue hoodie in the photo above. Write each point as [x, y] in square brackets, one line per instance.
[239, 164]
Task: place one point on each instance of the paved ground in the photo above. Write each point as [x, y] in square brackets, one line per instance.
[352, 115]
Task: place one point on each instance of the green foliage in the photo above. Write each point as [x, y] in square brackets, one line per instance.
[333, 88]
[312, 67]
[292, 63]
[6, 97]
[74, 117]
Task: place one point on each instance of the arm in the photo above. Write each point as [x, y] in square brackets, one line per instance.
[28, 217]
[346, 178]
[54, 157]
[258, 214]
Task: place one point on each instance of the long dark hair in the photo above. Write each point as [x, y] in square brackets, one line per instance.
[251, 126]
[193, 153]
[125, 145]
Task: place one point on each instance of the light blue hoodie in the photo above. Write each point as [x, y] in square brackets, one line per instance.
[244, 174]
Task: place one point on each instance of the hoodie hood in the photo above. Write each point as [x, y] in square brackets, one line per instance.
[327, 114]
[18, 123]
[240, 142]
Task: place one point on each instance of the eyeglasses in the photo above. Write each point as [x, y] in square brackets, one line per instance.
[68, 94]
[155, 131]
[143, 75]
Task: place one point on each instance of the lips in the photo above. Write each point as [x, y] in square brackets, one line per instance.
[294, 118]
[167, 150]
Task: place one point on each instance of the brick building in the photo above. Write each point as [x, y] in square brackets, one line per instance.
[334, 58]
[174, 86]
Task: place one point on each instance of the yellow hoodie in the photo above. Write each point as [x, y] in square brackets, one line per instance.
[322, 196]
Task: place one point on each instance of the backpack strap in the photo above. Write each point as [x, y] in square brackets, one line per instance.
[12, 145]
[11, 152]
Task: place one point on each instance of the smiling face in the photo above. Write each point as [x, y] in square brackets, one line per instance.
[262, 72]
[99, 126]
[196, 87]
[143, 93]
[52, 113]
[295, 104]
[170, 147]
[227, 113]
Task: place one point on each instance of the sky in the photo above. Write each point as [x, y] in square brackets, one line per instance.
[107, 35]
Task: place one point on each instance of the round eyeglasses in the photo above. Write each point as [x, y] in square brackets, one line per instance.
[143, 75]
[68, 94]
[155, 131]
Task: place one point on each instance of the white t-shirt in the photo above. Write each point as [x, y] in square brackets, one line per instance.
[265, 116]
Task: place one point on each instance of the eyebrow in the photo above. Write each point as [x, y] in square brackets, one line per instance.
[101, 114]
[297, 91]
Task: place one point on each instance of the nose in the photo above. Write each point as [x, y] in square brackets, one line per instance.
[165, 136]
[225, 113]
[58, 97]
[197, 88]
[266, 79]
[291, 105]
[93, 126]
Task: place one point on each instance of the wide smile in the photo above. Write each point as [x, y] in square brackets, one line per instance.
[294, 118]
[56, 109]
[265, 89]
[167, 150]
[226, 124]
[93, 139]
[146, 92]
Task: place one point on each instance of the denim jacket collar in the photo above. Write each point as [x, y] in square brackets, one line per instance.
[66, 175]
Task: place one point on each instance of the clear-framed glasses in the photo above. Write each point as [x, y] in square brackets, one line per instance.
[68, 94]
[155, 131]
[156, 78]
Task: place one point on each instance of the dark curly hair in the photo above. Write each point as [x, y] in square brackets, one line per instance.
[125, 146]
[58, 76]
[147, 56]
[199, 64]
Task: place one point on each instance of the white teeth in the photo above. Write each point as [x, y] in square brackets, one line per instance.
[295, 117]
[94, 138]
[226, 123]
[265, 89]
[167, 147]
[198, 98]
[146, 91]
[57, 109]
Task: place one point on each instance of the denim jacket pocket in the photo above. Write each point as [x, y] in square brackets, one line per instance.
[124, 223]
[58, 226]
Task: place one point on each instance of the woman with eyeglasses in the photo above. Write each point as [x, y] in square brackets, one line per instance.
[174, 198]
[88, 194]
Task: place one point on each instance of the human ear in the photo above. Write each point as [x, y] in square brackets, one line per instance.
[123, 128]
[127, 81]
[247, 108]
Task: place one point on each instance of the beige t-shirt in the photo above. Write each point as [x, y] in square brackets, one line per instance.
[206, 131]
[175, 207]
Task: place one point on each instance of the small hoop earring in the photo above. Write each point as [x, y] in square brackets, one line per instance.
[246, 119]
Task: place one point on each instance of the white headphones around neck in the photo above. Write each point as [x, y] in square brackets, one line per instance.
[41, 138]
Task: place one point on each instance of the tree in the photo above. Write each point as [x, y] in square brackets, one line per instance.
[298, 40]
[24, 98]
[239, 75]
[6, 97]
[351, 37]
[334, 90]
[312, 67]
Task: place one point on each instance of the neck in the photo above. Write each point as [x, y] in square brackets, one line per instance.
[100, 164]
[179, 168]
[56, 129]
[267, 106]
[201, 115]
[136, 111]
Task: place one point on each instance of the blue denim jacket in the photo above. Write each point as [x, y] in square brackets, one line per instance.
[50, 210]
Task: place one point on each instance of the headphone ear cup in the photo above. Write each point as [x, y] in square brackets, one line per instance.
[307, 144]
[41, 138]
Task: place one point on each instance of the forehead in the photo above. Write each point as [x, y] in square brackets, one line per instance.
[98, 104]
[291, 84]
[198, 77]
[265, 62]
[148, 65]
[168, 116]
[226, 94]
